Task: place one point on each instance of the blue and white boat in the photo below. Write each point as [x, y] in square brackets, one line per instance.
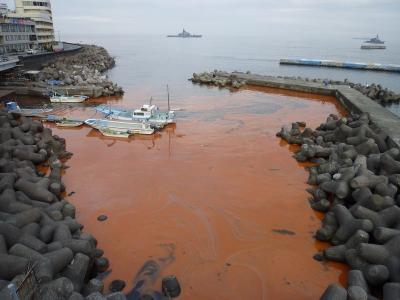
[149, 113]
[121, 126]
[13, 107]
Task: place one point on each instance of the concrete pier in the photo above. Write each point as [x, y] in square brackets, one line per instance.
[350, 98]
[341, 64]
[91, 91]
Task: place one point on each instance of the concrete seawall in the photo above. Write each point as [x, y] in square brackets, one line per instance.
[350, 98]
[34, 62]
[91, 91]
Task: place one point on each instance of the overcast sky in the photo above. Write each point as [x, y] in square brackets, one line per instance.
[233, 17]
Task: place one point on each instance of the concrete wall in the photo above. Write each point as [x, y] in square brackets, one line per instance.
[34, 62]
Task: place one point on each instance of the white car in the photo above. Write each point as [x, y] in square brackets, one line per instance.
[31, 51]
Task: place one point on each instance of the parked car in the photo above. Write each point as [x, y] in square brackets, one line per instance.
[4, 59]
[32, 51]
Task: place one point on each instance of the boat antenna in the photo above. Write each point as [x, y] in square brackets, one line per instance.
[151, 100]
[168, 97]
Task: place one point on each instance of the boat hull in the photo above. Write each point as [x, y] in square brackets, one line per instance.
[184, 37]
[132, 127]
[31, 112]
[158, 119]
[158, 123]
[68, 124]
[68, 99]
[373, 47]
[115, 134]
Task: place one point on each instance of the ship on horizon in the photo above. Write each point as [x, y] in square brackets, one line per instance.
[375, 40]
[185, 34]
[374, 44]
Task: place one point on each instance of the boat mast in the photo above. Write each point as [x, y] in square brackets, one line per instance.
[168, 98]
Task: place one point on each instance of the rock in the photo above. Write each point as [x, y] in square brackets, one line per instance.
[356, 185]
[117, 296]
[102, 218]
[116, 286]
[171, 287]
[334, 292]
[93, 286]
[101, 264]
[95, 296]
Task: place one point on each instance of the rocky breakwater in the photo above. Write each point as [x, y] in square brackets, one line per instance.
[38, 229]
[356, 179]
[236, 80]
[374, 91]
[84, 69]
[215, 78]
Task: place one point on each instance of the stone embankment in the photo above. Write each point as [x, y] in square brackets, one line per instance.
[38, 229]
[216, 79]
[236, 80]
[356, 180]
[84, 68]
[82, 72]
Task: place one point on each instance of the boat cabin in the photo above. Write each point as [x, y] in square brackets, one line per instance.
[146, 111]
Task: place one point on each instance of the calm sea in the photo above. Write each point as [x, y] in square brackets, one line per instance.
[155, 61]
[158, 60]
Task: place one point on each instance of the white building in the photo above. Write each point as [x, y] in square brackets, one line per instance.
[40, 12]
[3, 8]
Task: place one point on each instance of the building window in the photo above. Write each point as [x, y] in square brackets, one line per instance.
[36, 3]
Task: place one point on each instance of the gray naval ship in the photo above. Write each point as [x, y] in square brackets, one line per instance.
[185, 34]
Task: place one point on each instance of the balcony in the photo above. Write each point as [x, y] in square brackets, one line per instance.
[49, 27]
[36, 8]
[44, 41]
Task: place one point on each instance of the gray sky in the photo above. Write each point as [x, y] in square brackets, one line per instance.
[233, 17]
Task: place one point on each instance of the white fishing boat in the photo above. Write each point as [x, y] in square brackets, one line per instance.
[118, 125]
[114, 133]
[13, 107]
[149, 113]
[57, 98]
[68, 123]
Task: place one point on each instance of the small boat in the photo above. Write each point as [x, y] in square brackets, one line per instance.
[68, 123]
[57, 98]
[132, 127]
[13, 107]
[114, 133]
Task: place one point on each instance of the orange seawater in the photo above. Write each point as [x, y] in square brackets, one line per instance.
[207, 198]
